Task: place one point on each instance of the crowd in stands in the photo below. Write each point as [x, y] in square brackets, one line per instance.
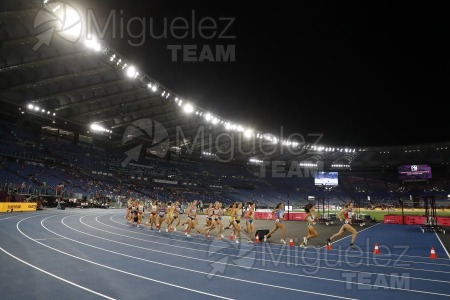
[49, 165]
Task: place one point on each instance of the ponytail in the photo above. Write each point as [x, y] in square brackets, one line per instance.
[307, 207]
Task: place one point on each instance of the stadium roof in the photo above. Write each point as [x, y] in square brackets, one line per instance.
[51, 73]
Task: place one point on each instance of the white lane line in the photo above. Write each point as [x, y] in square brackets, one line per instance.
[242, 257]
[328, 253]
[177, 267]
[392, 254]
[280, 256]
[448, 255]
[55, 276]
[232, 278]
[110, 268]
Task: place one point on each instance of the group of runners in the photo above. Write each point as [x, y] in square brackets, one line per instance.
[345, 215]
[241, 220]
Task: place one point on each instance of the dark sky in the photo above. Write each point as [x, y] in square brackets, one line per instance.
[372, 73]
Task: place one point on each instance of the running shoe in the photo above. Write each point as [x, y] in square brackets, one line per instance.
[303, 245]
[283, 241]
[305, 241]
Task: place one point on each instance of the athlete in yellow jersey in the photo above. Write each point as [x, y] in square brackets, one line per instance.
[169, 217]
[175, 210]
[232, 210]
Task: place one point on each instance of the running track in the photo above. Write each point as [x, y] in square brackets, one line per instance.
[95, 254]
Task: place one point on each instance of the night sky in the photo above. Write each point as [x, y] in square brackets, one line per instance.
[372, 73]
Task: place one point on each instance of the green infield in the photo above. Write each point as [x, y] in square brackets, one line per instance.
[378, 215]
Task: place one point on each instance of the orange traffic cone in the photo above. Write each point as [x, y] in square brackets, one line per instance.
[433, 253]
[257, 239]
[328, 246]
[291, 242]
[376, 250]
[231, 236]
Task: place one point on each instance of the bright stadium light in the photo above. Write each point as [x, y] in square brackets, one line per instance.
[90, 43]
[131, 71]
[30, 106]
[97, 47]
[154, 88]
[248, 133]
[256, 161]
[36, 108]
[188, 108]
[98, 128]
